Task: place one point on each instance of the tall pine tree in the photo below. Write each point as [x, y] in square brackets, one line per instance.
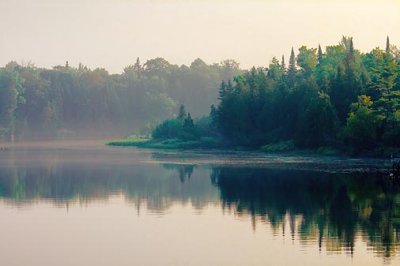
[387, 50]
[319, 54]
[292, 69]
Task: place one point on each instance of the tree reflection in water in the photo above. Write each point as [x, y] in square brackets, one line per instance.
[328, 208]
[332, 210]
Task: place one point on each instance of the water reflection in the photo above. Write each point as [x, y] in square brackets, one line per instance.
[328, 210]
[158, 186]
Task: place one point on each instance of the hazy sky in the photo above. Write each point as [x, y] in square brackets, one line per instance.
[112, 33]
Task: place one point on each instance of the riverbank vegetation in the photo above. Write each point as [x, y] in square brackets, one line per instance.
[334, 99]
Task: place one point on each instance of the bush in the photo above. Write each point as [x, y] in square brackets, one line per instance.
[181, 129]
[168, 129]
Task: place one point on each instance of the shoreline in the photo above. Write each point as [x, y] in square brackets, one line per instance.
[174, 144]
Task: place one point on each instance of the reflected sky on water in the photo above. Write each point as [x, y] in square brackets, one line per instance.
[86, 204]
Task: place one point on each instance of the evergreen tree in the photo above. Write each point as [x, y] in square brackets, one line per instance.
[387, 50]
[317, 124]
[222, 91]
[188, 122]
[292, 62]
[137, 67]
[213, 117]
[350, 54]
[182, 112]
[319, 54]
[291, 74]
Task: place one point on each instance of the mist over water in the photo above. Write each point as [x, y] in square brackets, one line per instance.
[178, 75]
[189, 208]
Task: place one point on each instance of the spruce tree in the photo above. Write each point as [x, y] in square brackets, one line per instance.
[188, 121]
[182, 112]
[319, 54]
[351, 56]
[229, 87]
[387, 50]
[213, 117]
[292, 69]
[292, 61]
[283, 62]
[222, 90]
[137, 67]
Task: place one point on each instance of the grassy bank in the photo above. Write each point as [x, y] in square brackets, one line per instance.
[141, 142]
[129, 141]
[288, 147]
[280, 148]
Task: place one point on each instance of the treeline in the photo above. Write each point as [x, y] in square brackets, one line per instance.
[336, 97]
[67, 102]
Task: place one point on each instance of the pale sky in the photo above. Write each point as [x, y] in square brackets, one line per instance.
[112, 33]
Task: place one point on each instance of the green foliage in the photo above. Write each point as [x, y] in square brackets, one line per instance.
[184, 132]
[36, 102]
[172, 128]
[318, 123]
[9, 97]
[333, 97]
[182, 112]
[391, 134]
[337, 98]
[307, 60]
[182, 127]
[362, 125]
[129, 141]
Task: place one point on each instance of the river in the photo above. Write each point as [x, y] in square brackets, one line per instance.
[84, 203]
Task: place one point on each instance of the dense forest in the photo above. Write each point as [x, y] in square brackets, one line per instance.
[76, 102]
[333, 97]
[336, 97]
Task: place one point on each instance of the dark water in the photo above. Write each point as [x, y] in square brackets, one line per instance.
[76, 203]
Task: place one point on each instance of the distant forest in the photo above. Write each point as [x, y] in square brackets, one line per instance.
[69, 102]
[333, 97]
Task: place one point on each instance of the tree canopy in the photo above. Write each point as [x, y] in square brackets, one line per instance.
[68, 101]
[334, 97]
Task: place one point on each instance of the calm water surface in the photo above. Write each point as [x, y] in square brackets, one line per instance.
[80, 203]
